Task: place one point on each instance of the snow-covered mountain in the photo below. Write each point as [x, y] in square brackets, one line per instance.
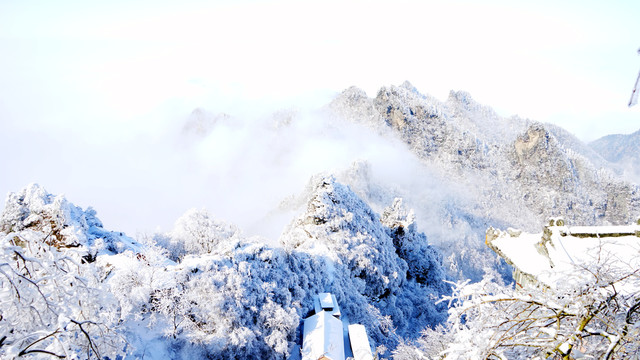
[380, 232]
[623, 151]
[538, 166]
[498, 171]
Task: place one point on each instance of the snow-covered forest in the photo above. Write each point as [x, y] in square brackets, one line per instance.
[398, 237]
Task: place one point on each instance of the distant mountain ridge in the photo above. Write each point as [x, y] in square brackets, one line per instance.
[617, 146]
[480, 169]
[623, 151]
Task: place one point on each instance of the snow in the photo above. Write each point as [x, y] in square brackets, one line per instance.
[604, 230]
[359, 342]
[322, 337]
[564, 347]
[521, 251]
[568, 250]
[352, 236]
[326, 301]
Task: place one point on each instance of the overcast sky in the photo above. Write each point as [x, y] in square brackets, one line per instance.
[84, 85]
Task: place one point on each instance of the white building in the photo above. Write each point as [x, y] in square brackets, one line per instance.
[359, 342]
[327, 337]
[322, 337]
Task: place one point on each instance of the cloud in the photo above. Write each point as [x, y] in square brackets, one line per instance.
[253, 164]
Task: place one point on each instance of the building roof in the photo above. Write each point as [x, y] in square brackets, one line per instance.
[327, 302]
[322, 337]
[359, 342]
[559, 250]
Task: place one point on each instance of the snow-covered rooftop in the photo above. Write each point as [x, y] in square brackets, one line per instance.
[359, 342]
[560, 250]
[322, 337]
[327, 302]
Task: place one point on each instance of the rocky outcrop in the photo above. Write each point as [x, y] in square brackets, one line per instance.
[65, 225]
[510, 162]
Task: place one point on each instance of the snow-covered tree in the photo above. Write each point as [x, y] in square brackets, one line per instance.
[594, 312]
[197, 232]
[423, 261]
[53, 302]
[383, 259]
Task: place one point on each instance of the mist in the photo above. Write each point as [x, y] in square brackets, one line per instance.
[247, 169]
[141, 179]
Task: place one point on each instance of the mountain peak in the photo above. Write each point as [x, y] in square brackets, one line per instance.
[68, 225]
[354, 92]
[462, 98]
[623, 151]
[409, 86]
[201, 122]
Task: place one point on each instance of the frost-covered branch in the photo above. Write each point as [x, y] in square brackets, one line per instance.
[596, 314]
[27, 351]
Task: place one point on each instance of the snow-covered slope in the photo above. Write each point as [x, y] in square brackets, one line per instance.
[539, 166]
[623, 151]
[391, 263]
[74, 289]
[54, 299]
[512, 172]
[33, 210]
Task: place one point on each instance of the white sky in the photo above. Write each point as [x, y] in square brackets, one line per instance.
[85, 85]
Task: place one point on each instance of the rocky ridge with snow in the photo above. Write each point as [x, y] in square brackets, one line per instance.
[536, 166]
[515, 172]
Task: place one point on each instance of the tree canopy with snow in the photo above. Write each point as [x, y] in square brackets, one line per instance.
[73, 289]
